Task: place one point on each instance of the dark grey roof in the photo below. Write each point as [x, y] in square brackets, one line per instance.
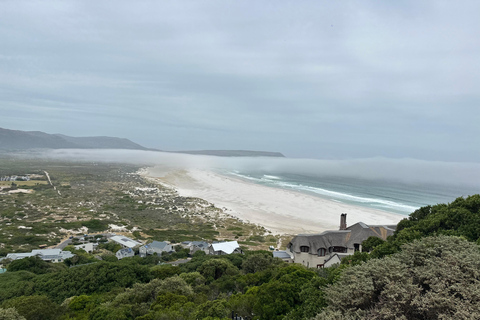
[356, 233]
[281, 255]
[200, 244]
[339, 255]
[157, 245]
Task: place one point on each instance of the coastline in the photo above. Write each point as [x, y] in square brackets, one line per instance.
[278, 210]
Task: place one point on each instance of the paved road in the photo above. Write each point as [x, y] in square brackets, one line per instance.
[63, 244]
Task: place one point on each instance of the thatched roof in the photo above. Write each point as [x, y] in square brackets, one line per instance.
[356, 233]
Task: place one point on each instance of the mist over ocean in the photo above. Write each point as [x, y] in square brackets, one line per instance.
[391, 196]
[393, 185]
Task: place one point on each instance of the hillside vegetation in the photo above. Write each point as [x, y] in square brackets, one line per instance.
[101, 197]
[429, 269]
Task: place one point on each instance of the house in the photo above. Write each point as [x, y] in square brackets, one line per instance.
[329, 247]
[53, 255]
[155, 247]
[199, 246]
[124, 253]
[222, 248]
[125, 241]
[88, 247]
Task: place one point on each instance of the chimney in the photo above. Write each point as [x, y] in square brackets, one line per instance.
[343, 221]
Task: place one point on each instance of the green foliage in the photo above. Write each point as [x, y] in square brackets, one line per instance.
[215, 268]
[15, 284]
[164, 271]
[370, 244]
[33, 264]
[258, 261]
[34, 307]
[194, 279]
[10, 314]
[356, 258]
[212, 309]
[81, 257]
[95, 225]
[167, 300]
[110, 246]
[180, 253]
[431, 278]
[459, 218]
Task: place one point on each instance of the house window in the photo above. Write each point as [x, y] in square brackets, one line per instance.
[356, 247]
[322, 252]
[304, 249]
[340, 249]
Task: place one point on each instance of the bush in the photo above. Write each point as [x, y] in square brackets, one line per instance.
[431, 278]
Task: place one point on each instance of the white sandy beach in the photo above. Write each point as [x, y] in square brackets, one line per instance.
[278, 210]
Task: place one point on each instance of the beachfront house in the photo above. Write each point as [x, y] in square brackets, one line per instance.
[51, 255]
[222, 248]
[329, 247]
[157, 247]
[125, 241]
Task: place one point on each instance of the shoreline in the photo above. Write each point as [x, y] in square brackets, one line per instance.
[278, 210]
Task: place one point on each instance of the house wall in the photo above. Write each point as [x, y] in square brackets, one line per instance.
[313, 260]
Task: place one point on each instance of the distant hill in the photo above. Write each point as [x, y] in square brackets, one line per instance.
[24, 140]
[21, 140]
[234, 153]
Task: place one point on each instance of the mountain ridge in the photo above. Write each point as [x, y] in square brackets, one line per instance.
[14, 140]
[23, 140]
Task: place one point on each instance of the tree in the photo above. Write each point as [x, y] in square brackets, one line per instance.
[216, 268]
[431, 278]
[10, 314]
[370, 243]
[34, 307]
[459, 218]
[257, 262]
[33, 264]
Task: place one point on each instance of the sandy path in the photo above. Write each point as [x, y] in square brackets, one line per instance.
[281, 211]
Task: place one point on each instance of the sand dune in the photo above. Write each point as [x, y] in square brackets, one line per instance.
[278, 210]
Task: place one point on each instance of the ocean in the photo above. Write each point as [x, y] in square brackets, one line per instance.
[390, 196]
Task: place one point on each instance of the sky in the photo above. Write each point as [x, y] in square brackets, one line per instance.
[310, 79]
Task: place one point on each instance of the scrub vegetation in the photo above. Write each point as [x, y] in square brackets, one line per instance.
[90, 197]
[429, 269]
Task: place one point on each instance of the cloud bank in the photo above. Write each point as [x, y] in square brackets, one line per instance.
[409, 171]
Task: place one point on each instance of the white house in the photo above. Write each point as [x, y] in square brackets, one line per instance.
[329, 247]
[222, 248]
[155, 247]
[125, 241]
[88, 247]
[53, 255]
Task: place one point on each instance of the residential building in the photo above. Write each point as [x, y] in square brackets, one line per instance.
[88, 247]
[157, 247]
[195, 246]
[125, 253]
[222, 248]
[329, 247]
[53, 255]
[125, 241]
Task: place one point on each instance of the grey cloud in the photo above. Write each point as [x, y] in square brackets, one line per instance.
[342, 79]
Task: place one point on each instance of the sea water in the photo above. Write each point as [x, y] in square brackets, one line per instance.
[391, 196]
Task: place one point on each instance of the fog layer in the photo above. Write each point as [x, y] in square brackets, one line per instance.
[409, 171]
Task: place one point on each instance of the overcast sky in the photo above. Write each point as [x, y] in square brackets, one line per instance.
[313, 79]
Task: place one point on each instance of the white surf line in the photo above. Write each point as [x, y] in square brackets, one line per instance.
[50, 181]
